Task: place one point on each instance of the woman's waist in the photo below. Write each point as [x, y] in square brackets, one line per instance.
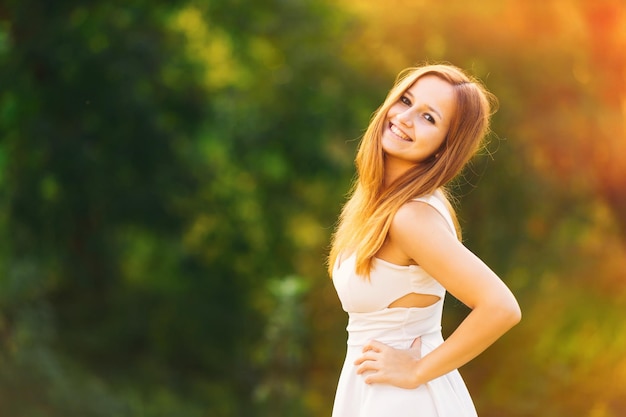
[391, 326]
[429, 341]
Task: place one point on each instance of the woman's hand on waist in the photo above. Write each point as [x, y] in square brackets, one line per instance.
[384, 364]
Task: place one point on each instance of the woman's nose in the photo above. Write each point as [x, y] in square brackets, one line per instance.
[406, 118]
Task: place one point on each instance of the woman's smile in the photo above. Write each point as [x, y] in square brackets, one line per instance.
[399, 133]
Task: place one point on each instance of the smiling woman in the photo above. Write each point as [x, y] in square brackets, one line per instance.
[415, 127]
[397, 251]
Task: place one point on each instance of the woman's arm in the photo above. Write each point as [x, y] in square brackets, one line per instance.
[421, 233]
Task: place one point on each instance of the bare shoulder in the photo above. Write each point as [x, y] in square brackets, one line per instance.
[418, 219]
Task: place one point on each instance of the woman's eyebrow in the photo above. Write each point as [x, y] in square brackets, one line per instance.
[428, 106]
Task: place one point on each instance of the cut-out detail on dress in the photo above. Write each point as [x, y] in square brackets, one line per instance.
[415, 300]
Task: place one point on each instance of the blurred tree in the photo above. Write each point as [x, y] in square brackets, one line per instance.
[98, 108]
[283, 102]
[161, 162]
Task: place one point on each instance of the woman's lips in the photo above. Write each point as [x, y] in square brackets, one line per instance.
[400, 134]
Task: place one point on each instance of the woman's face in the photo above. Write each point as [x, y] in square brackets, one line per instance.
[417, 124]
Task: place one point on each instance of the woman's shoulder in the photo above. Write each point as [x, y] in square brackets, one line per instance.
[415, 211]
[422, 213]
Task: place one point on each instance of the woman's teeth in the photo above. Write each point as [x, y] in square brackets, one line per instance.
[399, 133]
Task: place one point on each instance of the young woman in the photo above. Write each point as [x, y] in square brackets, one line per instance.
[397, 250]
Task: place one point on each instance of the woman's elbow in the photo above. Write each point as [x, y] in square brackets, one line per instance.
[505, 311]
[511, 312]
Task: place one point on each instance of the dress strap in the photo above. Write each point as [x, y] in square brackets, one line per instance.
[437, 203]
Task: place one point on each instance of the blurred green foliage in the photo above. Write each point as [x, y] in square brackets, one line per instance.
[170, 173]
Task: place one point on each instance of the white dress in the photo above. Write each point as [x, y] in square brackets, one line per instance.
[369, 318]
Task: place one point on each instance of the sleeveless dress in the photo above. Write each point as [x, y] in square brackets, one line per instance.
[369, 318]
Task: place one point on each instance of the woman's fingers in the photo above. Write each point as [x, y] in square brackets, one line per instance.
[374, 345]
[386, 365]
[368, 366]
[376, 378]
[368, 356]
[370, 350]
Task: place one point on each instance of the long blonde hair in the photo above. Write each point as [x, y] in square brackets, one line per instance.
[366, 217]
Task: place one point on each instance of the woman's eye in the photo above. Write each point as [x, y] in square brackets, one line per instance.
[430, 118]
[405, 100]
